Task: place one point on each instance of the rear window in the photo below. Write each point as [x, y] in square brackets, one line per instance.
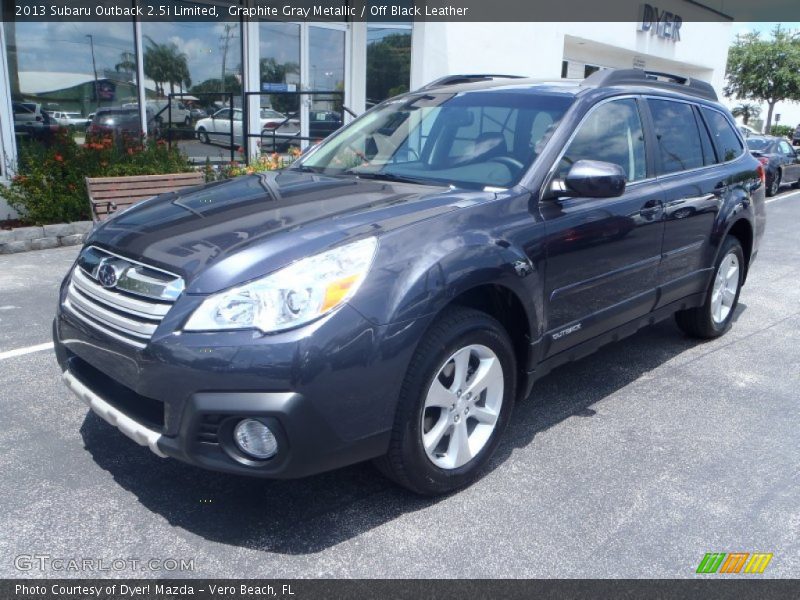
[728, 144]
[678, 136]
[758, 144]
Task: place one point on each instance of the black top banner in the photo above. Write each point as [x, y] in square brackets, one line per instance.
[403, 10]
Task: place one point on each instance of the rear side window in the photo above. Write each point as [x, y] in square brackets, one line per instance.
[678, 136]
[709, 157]
[725, 139]
[611, 133]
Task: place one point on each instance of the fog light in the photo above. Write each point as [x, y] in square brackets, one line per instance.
[255, 439]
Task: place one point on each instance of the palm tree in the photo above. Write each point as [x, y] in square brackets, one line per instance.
[126, 64]
[165, 63]
[746, 110]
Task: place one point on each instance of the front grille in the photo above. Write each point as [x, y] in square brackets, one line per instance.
[131, 308]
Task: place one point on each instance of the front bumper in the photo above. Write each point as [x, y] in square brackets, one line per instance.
[328, 392]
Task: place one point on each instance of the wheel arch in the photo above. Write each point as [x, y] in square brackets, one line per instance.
[742, 230]
[505, 305]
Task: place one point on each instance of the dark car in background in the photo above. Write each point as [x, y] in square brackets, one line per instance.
[393, 293]
[780, 160]
[321, 124]
[796, 136]
[121, 121]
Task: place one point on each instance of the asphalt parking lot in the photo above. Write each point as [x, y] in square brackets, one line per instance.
[633, 462]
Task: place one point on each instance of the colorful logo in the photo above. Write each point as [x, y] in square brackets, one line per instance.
[734, 562]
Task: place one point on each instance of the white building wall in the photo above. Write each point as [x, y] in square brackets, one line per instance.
[538, 49]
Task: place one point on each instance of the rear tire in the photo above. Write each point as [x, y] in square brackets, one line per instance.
[455, 402]
[775, 184]
[714, 317]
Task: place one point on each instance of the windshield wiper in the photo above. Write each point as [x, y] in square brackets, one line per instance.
[383, 176]
[304, 169]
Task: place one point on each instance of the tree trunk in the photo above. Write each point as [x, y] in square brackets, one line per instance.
[770, 110]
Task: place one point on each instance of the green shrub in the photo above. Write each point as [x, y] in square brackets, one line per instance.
[49, 186]
[782, 130]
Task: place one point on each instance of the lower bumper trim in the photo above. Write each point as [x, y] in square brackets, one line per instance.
[136, 431]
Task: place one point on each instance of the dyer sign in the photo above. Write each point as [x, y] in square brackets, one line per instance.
[662, 23]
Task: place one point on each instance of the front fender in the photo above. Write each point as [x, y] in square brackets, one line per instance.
[419, 285]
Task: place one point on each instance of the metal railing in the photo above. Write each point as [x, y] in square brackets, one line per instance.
[170, 128]
[286, 138]
[273, 135]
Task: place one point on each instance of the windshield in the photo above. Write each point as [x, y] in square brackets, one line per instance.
[472, 140]
[758, 144]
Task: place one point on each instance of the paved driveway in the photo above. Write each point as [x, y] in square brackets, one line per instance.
[634, 462]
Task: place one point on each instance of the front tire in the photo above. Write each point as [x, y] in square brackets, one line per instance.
[455, 402]
[202, 135]
[714, 317]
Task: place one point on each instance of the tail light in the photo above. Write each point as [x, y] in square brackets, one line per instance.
[271, 126]
[762, 172]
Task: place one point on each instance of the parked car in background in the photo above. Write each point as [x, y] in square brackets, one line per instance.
[174, 113]
[796, 136]
[123, 120]
[26, 111]
[197, 113]
[225, 126]
[394, 292]
[321, 123]
[779, 158]
[73, 120]
[31, 122]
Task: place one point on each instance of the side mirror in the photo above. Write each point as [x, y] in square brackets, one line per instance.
[594, 179]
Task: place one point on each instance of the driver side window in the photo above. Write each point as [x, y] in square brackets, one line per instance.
[612, 133]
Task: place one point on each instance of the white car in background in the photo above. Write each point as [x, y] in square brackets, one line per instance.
[69, 119]
[217, 127]
[176, 114]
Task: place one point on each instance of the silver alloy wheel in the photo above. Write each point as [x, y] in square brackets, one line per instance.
[726, 284]
[462, 406]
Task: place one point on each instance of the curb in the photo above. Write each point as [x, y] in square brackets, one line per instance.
[25, 239]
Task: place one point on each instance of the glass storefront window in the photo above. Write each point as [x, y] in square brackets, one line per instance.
[60, 73]
[388, 61]
[199, 66]
[279, 66]
[326, 57]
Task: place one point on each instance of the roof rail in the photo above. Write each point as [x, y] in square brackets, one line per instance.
[677, 83]
[456, 79]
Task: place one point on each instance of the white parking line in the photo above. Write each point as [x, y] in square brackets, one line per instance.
[23, 351]
[783, 197]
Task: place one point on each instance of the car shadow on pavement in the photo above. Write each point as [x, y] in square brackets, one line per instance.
[315, 513]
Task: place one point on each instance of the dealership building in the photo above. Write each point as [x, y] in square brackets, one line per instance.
[80, 66]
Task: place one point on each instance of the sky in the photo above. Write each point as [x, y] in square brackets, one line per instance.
[789, 111]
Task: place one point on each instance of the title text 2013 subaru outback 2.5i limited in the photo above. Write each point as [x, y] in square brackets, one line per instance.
[392, 293]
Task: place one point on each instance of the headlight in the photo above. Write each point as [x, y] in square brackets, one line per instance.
[295, 295]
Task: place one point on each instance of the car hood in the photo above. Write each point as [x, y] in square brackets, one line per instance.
[224, 233]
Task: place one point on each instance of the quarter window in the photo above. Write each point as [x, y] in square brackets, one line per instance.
[678, 137]
[728, 144]
[611, 133]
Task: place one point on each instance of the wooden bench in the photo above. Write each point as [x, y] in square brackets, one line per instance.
[108, 194]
